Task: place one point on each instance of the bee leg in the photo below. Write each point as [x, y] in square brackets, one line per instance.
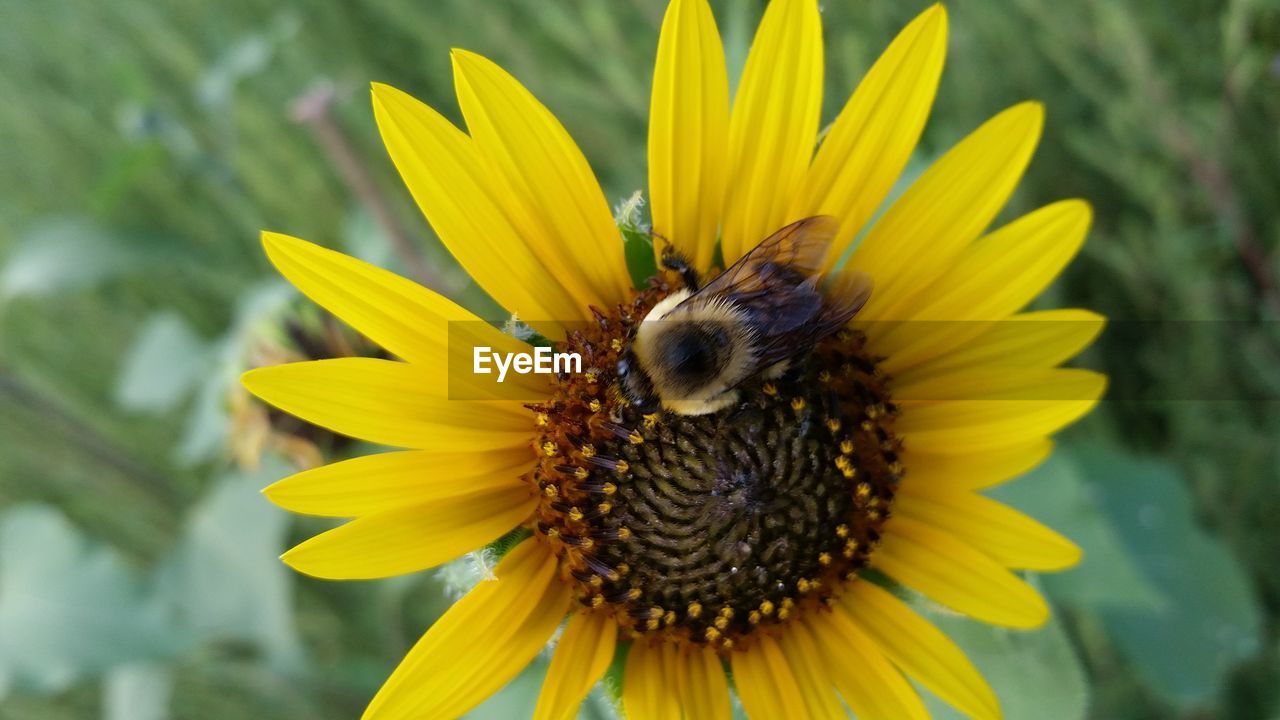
[672, 260]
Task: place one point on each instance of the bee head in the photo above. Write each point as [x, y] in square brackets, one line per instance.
[635, 385]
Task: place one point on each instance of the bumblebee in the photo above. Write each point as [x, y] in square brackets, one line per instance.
[694, 349]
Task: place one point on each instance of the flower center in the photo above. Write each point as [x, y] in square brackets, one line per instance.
[705, 528]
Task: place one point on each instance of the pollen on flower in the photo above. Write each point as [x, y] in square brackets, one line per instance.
[707, 530]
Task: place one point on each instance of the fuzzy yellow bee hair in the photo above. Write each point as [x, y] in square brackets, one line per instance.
[733, 359]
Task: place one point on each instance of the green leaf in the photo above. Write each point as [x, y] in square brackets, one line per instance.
[225, 580]
[206, 429]
[638, 247]
[637, 243]
[1056, 494]
[137, 692]
[365, 239]
[1210, 620]
[59, 255]
[165, 362]
[1034, 673]
[69, 607]
[207, 426]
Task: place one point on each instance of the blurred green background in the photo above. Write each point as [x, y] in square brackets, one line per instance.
[146, 143]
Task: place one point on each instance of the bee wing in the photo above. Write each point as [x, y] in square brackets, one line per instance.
[776, 282]
[844, 297]
[846, 293]
[779, 286]
[801, 246]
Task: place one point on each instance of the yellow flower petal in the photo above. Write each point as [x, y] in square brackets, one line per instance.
[765, 682]
[994, 277]
[952, 573]
[411, 321]
[398, 314]
[372, 483]
[1002, 272]
[412, 538]
[921, 650]
[1031, 340]
[543, 181]
[581, 657]
[870, 141]
[482, 642]
[1012, 418]
[998, 384]
[388, 402]
[774, 124]
[688, 132]
[974, 470]
[921, 234]
[445, 174]
[872, 687]
[1009, 537]
[811, 674]
[649, 689]
[704, 690]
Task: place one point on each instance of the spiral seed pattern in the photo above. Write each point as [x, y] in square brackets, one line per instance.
[707, 528]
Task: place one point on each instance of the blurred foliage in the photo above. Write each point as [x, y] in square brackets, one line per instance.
[148, 143]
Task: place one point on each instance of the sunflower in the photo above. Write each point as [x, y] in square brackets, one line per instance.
[770, 542]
